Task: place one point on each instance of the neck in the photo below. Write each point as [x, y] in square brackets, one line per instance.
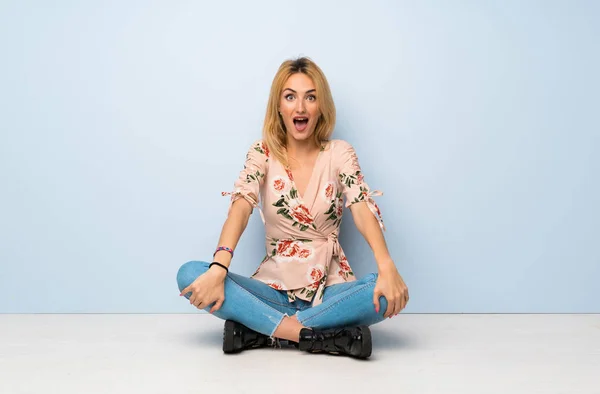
[301, 149]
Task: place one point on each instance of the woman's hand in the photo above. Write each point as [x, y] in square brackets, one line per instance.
[390, 285]
[207, 289]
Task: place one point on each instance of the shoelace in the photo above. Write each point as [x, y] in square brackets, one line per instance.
[274, 343]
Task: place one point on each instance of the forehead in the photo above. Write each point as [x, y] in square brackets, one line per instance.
[299, 82]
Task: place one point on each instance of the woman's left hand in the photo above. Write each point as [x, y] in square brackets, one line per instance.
[390, 285]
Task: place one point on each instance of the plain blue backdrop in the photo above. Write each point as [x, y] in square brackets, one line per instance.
[122, 121]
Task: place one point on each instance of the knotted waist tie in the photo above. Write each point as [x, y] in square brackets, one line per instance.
[333, 250]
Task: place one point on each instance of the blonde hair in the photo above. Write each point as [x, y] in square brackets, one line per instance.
[274, 133]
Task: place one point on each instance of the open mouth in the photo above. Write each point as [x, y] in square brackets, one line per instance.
[300, 123]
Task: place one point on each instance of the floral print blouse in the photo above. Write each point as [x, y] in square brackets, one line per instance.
[303, 255]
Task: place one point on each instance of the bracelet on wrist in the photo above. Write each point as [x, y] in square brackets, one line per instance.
[225, 248]
[220, 265]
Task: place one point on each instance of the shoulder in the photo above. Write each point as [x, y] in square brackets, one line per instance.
[257, 144]
[258, 150]
[344, 157]
[340, 148]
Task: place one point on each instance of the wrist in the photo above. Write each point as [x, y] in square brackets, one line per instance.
[218, 271]
[386, 265]
[221, 249]
[222, 257]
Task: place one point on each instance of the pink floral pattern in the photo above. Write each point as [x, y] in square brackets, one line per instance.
[303, 255]
[290, 250]
[345, 271]
[292, 209]
[261, 147]
[336, 209]
[289, 174]
[280, 186]
[276, 285]
[301, 215]
[316, 273]
[328, 192]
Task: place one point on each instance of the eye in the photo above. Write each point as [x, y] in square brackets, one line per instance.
[289, 96]
[311, 97]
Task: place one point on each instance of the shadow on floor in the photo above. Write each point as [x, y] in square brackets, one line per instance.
[211, 338]
[382, 339]
[386, 339]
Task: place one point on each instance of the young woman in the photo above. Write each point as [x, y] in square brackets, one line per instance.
[304, 291]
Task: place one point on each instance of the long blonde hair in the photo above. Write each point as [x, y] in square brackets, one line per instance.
[274, 134]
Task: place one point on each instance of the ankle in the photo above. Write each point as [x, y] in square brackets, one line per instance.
[288, 329]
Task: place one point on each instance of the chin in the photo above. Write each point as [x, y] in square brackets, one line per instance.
[300, 136]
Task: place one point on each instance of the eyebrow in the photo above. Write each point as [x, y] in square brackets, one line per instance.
[308, 91]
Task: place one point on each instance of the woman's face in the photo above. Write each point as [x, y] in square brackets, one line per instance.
[299, 106]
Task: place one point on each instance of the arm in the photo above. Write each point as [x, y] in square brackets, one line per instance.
[209, 288]
[369, 223]
[233, 228]
[247, 188]
[369, 228]
[389, 282]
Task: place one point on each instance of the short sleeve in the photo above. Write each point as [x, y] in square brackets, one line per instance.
[352, 181]
[251, 178]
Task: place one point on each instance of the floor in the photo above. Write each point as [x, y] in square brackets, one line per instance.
[412, 353]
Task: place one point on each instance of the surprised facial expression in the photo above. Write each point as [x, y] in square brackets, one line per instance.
[299, 107]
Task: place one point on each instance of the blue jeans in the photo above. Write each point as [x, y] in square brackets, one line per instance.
[262, 308]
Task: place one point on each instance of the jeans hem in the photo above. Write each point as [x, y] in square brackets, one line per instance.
[259, 301]
[277, 325]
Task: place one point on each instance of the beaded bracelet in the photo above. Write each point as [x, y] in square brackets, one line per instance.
[225, 248]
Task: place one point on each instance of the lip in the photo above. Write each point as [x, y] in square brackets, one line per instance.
[300, 117]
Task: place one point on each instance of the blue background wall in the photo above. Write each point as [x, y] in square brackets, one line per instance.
[478, 120]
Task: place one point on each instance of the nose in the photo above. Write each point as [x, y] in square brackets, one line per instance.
[300, 106]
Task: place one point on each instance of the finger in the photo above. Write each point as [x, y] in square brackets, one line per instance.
[217, 305]
[391, 307]
[204, 302]
[198, 304]
[399, 305]
[194, 298]
[403, 302]
[185, 291]
[376, 296]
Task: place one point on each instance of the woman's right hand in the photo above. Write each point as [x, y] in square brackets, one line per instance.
[207, 289]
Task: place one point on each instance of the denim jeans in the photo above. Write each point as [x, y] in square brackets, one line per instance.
[262, 308]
